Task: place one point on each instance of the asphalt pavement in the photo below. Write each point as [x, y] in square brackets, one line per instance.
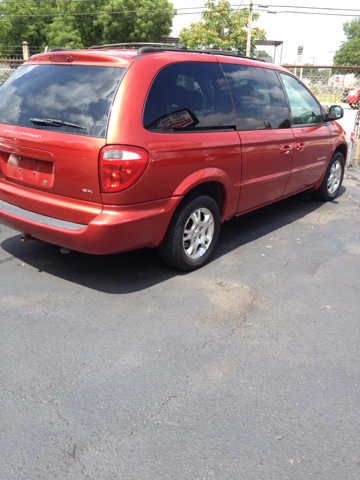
[121, 368]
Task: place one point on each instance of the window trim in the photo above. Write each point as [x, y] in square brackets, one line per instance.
[301, 125]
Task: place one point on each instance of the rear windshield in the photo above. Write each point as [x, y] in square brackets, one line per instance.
[77, 94]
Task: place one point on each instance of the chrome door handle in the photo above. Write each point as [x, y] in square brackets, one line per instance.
[285, 149]
[300, 147]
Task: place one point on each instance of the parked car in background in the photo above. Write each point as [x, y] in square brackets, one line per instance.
[345, 94]
[118, 147]
[353, 98]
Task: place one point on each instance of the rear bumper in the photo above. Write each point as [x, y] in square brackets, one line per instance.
[114, 230]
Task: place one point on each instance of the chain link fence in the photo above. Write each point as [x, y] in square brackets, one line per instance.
[7, 66]
[11, 57]
[331, 85]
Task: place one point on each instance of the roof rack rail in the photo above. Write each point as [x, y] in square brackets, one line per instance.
[149, 47]
[58, 49]
[229, 53]
[141, 44]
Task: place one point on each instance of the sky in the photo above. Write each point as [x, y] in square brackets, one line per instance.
[320, 35]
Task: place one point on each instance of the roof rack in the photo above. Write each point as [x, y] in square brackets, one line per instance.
[148, 47]
[228, 53]
[61, 49]
[141, 44]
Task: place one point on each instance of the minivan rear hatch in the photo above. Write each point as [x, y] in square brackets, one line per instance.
[53, 123]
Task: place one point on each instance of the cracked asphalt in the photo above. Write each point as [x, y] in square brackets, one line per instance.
[123, 368]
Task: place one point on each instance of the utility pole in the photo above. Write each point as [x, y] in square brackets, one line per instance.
[248, 44]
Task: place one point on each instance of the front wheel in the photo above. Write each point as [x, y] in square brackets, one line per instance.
[192, 234]
[331, 183]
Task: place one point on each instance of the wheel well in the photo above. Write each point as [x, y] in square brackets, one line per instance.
[342, 149]
[215, 190]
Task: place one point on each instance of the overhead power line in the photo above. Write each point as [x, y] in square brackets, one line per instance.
[235, 7]
[162, 11]
[265, 5]
[322, 14]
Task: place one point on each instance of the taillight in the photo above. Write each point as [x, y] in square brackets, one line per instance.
[121, 167]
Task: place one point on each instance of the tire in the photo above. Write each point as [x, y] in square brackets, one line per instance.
[332, 181]
[192, 234]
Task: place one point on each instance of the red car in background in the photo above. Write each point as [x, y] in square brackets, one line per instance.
[353, 98]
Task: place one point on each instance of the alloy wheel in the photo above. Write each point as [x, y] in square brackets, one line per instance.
[334, 178]
[198, 233]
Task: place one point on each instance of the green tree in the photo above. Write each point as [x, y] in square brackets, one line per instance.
[352, 29]
[349, 51]
[16, 29]
[137, 21]
[137, 24]
[222, 27]
[264, 54]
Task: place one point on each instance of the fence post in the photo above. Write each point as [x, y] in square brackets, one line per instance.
[350, 154]
[26, 50]
[357, 153]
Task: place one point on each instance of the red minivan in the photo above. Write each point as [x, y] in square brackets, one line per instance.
[119, 147]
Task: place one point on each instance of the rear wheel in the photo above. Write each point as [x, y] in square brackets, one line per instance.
[331, 183]
[192, 234]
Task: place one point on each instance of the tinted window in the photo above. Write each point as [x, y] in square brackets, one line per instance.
[191, 96]
[77, 94]
[258, 97]
[304, 108]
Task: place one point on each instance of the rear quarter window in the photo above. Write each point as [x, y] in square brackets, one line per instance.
[189, 96]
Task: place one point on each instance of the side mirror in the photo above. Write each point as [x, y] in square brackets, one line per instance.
[335, 113]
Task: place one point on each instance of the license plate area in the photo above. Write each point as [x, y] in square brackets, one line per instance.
[27, 170]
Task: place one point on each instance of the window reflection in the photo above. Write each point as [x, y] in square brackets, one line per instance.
[258, 97]
[77, 94]
[304, 108]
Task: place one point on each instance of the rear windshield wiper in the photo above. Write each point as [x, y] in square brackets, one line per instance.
[54, 123]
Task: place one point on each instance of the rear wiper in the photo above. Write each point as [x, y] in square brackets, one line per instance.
[54, 123]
